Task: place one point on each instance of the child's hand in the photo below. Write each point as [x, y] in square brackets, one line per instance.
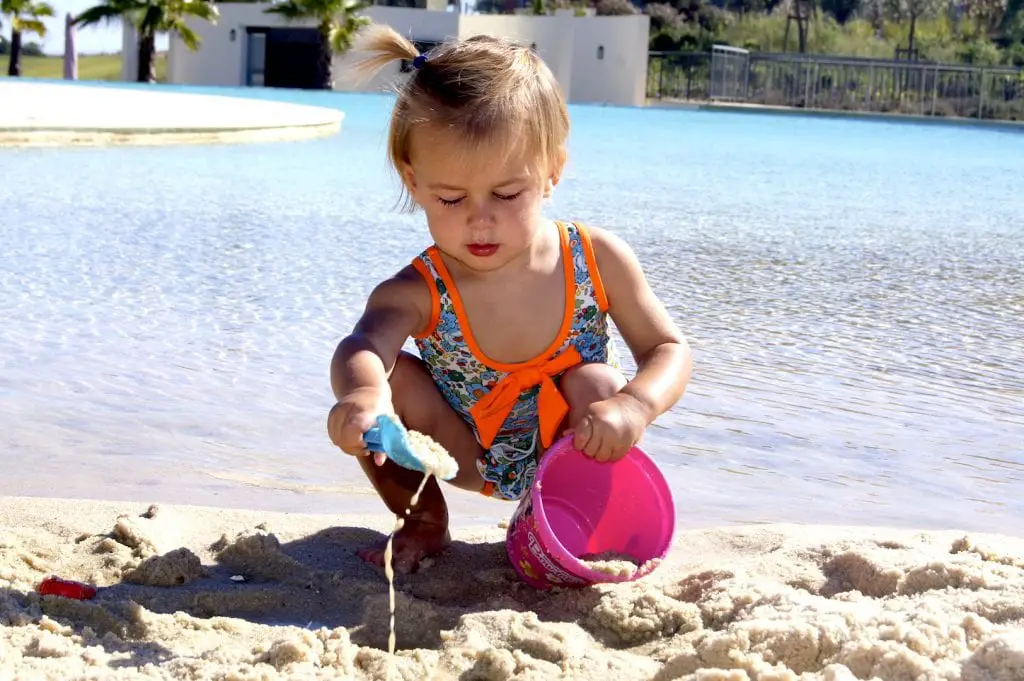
[352, 416]
[610, 428]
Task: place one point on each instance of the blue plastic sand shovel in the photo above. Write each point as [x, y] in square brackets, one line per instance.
[390, 437]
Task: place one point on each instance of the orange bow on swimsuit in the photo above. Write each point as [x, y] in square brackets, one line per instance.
[490, 412]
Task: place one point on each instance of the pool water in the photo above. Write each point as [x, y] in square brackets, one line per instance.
[853, 292]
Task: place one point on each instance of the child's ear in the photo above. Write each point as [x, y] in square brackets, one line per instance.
[551, 183]
[408, 177]
[556, 172]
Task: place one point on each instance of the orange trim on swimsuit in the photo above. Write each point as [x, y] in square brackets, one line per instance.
[467, 332]
[595, 275]
[435, 299]
[490, 412]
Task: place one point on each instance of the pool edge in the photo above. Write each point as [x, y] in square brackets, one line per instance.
[768, 110]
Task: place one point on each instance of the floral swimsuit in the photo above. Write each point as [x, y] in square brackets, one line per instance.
[515, 410]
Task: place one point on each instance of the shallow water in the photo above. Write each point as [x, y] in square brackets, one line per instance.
[852, 290]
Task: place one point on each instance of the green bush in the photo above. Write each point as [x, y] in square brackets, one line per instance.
[698, 24]
[979, 53]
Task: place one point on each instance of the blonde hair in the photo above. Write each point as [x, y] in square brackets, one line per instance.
[487, 89]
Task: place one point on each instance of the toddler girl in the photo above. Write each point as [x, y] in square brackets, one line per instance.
[509, 310]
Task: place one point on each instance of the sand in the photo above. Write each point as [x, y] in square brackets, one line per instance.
[58, 114]
[198, 593]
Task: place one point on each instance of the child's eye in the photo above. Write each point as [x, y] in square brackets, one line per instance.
[508, 197]
[449, 202]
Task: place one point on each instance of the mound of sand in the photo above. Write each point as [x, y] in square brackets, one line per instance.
[193, 593]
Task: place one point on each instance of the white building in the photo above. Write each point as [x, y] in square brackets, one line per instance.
[595, 59]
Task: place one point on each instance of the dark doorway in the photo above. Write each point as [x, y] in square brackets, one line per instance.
[290, 57]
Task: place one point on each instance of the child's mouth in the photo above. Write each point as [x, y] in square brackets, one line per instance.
[482, 250]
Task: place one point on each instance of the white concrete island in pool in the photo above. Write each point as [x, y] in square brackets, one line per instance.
[45, 114]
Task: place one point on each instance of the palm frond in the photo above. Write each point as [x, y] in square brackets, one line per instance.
[153, 19]
[175, 17]
[96, 15]
[343, 33]
[29, 26]
[105, 13]
[187, 35]
[337, 20]
[26, 8]
[207, 11]
[289, 10]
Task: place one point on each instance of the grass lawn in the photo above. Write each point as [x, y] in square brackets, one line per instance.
[90, 67]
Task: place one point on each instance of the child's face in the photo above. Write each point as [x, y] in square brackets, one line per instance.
[483, 205]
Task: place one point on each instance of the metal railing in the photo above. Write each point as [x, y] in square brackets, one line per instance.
[839, 84]
[679, 75]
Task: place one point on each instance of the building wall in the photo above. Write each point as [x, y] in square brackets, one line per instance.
[609, 59]
[568, 44]
[219, 59]
[553, 37]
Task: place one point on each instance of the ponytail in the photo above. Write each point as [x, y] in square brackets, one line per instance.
[491, 90]
[375, 47]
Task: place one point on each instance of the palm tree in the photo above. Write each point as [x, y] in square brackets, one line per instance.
[26, 17]
[150, 17]
[337, 20]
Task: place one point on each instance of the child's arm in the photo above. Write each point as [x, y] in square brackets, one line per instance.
[662, 354]
[363, 360]
[396, 309]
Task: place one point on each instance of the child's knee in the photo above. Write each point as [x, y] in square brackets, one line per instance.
[588, 383]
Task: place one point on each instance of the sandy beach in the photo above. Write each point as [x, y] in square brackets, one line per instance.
[204, 593]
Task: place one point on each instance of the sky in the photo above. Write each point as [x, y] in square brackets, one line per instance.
[90, 40]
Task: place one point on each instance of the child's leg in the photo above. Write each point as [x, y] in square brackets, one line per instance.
[585, 384]
[421, 407]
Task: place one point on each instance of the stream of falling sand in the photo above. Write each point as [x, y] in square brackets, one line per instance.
[389, 566]
[437, 462]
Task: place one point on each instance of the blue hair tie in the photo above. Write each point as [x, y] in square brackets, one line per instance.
[419, 61]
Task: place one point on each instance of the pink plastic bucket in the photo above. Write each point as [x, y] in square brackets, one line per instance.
[578, 506]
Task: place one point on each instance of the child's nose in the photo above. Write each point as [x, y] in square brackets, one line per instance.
[481, 214]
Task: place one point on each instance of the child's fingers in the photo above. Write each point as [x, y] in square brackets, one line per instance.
[582, 434]
[379, 458]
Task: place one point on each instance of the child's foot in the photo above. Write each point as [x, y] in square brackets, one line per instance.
[415, 541]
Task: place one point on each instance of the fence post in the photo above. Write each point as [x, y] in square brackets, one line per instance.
[661, 77]
[807, 84]
[746, 77]
[981, 95]
[935, 89]
[689, 80]
[870, 95]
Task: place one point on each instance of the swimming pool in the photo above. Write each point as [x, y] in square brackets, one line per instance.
[852, 290]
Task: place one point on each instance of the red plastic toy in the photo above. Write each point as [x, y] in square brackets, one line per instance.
[55, 586]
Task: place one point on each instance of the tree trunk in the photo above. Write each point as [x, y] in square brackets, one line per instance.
[326, 62]
[910, 35]
[14, 65]
[147, 59]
